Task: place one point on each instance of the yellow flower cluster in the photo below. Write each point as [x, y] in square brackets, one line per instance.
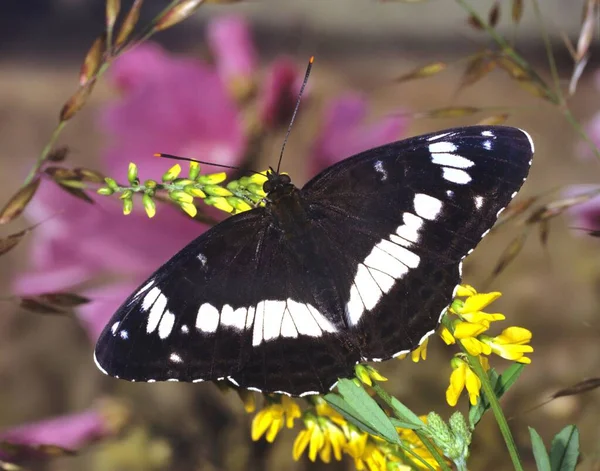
[467, 324]
[327, 435]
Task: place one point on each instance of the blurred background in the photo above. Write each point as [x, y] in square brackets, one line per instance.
[362, 48]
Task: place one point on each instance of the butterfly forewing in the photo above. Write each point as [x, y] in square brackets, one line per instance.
[357, 265]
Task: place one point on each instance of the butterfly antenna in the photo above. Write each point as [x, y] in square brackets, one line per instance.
[189, 159]
[287, 135]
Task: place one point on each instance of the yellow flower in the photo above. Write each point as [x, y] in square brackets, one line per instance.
[447, 336]
[312, 435]
[366, 374]
[465, 291]
[410, 438]
[511, 344]
[335, 440]
[463, 376]
[419, 353]
[372, 459]
[325, 410]
[356, 441]
[467, 332]
[248, 399]
[270, 420]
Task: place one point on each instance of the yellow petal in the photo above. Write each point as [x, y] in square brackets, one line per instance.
[300, 444]
[478, 301]
[457, 384]
[473, 384]
[274, 429]
[463, 330]
[465, 290]
[447, 336]
[261, 423]
[475, 347]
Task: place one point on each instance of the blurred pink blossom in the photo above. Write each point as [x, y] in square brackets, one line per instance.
[585, 215]
[231, 43]
[71, 432]
[345, 133]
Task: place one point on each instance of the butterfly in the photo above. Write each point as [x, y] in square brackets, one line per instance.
[357, 265]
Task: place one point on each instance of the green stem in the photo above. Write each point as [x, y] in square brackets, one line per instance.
[45, 151]
[475, 365]
[549, 52]
[387, 398]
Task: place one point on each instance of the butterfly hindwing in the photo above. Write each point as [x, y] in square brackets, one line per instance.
[231, 305]
[357, 265]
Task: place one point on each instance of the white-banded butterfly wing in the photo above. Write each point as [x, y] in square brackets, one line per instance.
[359, 264]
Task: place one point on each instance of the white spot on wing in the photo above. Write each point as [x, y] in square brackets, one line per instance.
[249, 317]
[207, 319]
[455, 175]
[442, 146]
[408, 258]
[427, 206]
[257, 331]
[378, 166]
[288, 329]
[322, 321]
[114, 328]
[487, 133]
[273, 318]
[185, 329]
[381, 260]
[354, 307]
[202, 258]
[451, 160]
[175, 358]
[367, 288]
[383, 280]
[233, 381]
[487, 144]
[304, 321]
[124, 334]
[410, 229]
[231, 318]
[166, 324]
[150, 298]
[156, 312]
[478, 201]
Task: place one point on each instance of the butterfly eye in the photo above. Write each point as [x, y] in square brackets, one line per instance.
[267, 187]
[285, 179]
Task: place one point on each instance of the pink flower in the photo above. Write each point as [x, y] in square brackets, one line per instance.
[584, 215]
[231, 44]
[70, 432]
[344, 132]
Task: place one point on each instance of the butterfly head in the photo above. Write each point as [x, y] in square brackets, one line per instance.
[277, 185]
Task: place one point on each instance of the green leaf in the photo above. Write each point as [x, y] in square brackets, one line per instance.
[350, 414]
[368, 409]
[404, 413]
[407, 425]
[542, 460]
[500, 384]
[565, 449]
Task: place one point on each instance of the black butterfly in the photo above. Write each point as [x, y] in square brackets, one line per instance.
[358, 265]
